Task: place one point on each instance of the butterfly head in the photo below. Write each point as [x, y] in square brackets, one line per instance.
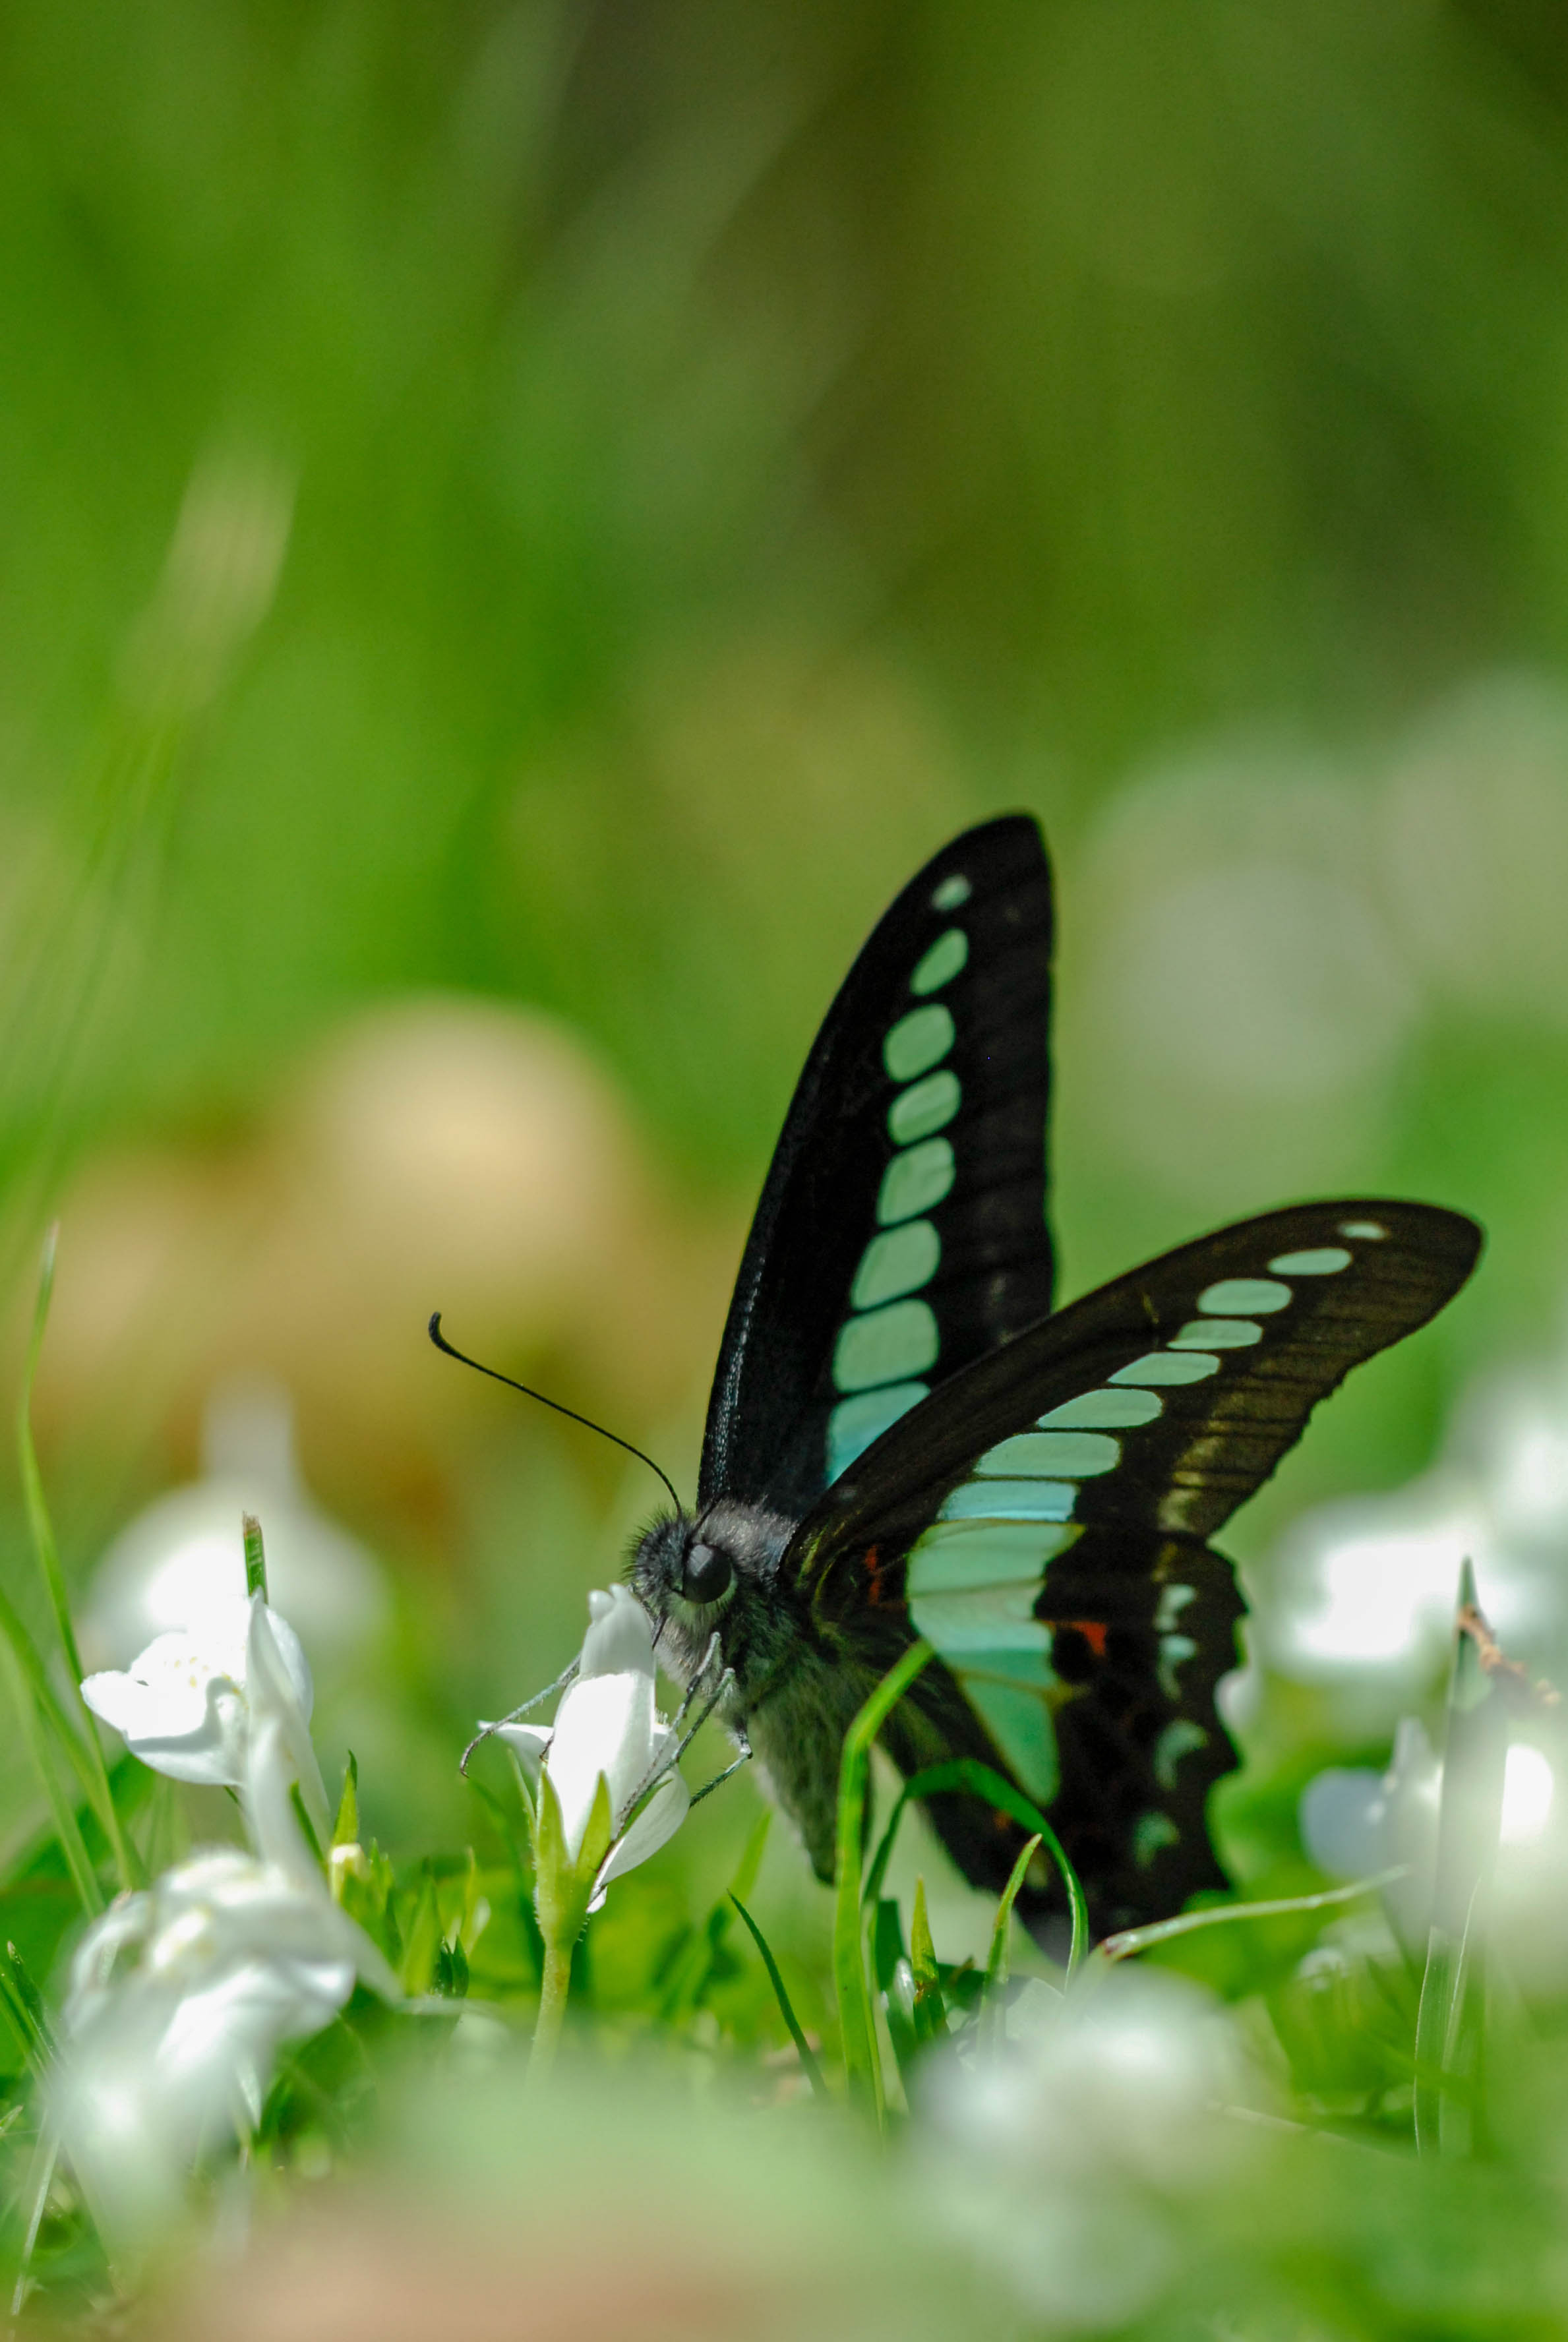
[715, 1571]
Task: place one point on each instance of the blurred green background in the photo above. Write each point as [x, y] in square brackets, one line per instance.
[521, 525]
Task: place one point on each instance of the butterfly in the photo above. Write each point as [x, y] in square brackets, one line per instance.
[904, 1439]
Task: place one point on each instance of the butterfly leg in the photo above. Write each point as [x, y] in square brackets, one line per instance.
[667, 1764]
[701, 1677]
[725, 1683]
[709, 1786]
[566, 1676]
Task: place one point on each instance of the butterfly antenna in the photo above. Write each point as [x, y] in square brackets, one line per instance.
[441, 1342]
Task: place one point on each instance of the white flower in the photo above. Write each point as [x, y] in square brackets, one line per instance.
[607, 1725]
[189, 1704]
[180, 1996]
[1355, 1822]
[1070, 2161]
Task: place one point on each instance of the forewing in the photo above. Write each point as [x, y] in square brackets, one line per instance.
[901, 1232]
[1041, 1520]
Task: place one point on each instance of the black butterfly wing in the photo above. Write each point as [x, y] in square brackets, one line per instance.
[901, 1234]
[1042, 1521]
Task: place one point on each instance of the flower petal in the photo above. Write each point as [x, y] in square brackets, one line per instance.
[527, 1741]
[210, 1751]
[604, 1724]
[620, 1637]
[273, 1689]
[657, 1822]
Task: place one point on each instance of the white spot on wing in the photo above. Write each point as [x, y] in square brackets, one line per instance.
[885, 1345]
[942, 962]
[900, 1260]
[955, 1555]
[1167, 1366]
[925, 1106]
[1217, 1334]
[1373, 1230]
[856, 1422]
[954, 889]
[918, 1041]
[1325, 1260]
[1236, 1297]
[1062, 1455]
[1103, 1410]
[915, 1181]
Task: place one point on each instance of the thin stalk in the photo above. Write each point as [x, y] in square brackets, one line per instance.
[47, 1550]
[554, 1986]
[857, 2023]
[1132, 1940]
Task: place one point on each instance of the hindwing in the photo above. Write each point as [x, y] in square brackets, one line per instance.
[1041, 1520]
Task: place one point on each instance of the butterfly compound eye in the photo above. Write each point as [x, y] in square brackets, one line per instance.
[707, 1574]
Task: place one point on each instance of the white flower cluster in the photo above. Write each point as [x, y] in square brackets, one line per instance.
[182, 1994]
[1355, 1823]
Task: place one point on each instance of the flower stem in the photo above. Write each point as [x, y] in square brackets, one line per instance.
[554, 1987]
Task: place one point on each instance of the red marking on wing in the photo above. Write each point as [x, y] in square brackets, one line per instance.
[1093, 1631]
[873, 1571]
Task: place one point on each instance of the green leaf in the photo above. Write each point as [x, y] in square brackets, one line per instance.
[857, 2023]
[895, 1981]
[930, 2006]
[562, 1888]
[346, 1829]
[450, 1977]
[983, 1782]
[998, 1966]
[422, 1944]
[597, 1836]
[804, 2051]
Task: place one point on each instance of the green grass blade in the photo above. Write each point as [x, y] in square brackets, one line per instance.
[47, 1552]
[255, 1555]
[67, 1829]
[857, 2023]
[38, 1520]
[983, 1782]
[804, 2050]
[1469, 1826]
[998, 1966]
[26, 1995]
